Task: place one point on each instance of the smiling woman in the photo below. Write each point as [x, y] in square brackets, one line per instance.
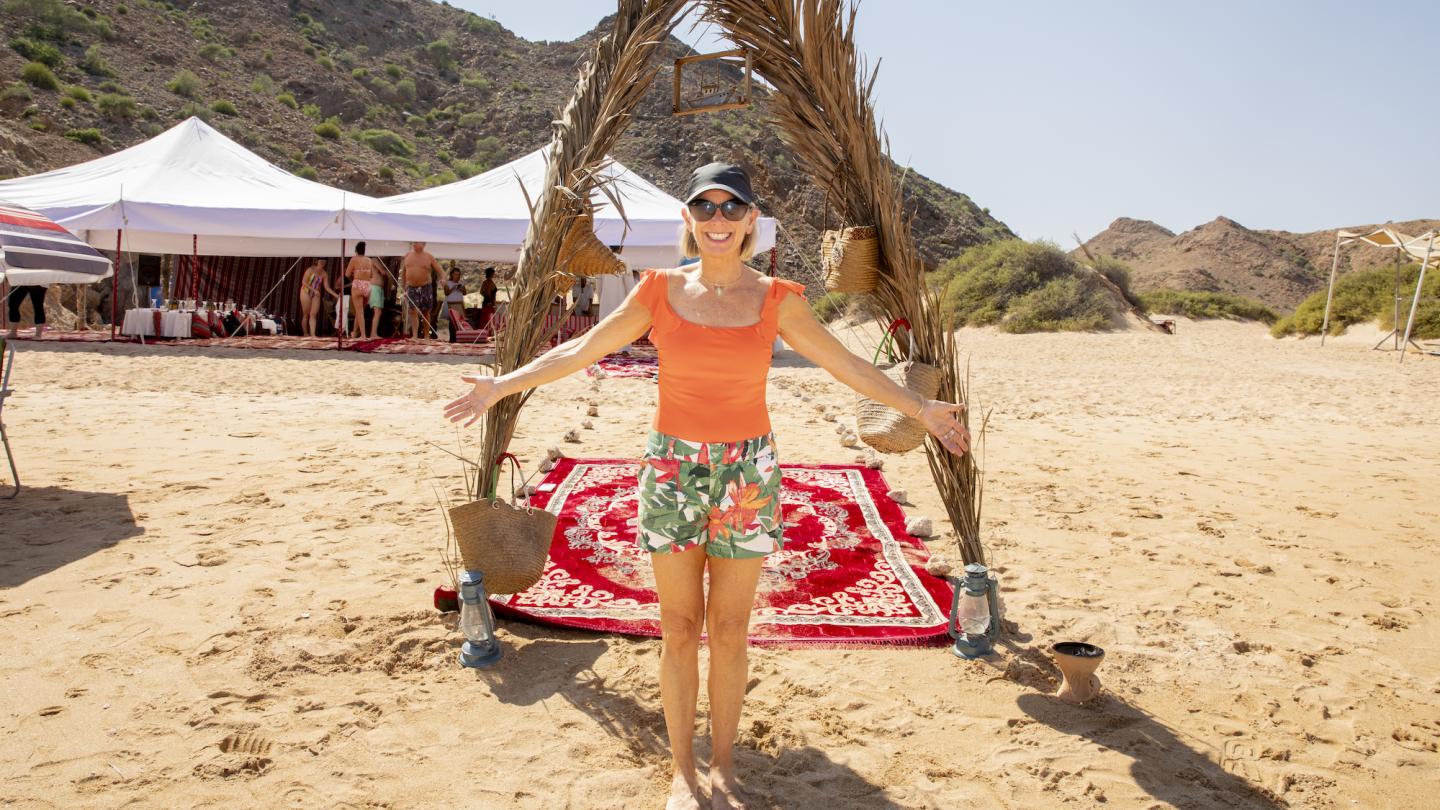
[710, 480]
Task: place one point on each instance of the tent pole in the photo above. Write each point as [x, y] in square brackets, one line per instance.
[341, 303]
[195, 268]
[1330, 290]
[5, 300]
[114, 282]
[1415, 301]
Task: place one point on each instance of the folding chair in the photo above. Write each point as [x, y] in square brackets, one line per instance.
[463, 331]
[7, 361]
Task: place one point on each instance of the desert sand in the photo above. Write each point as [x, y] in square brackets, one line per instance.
[215, 591]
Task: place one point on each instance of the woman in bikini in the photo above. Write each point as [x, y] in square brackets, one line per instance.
[710, 482]
[362, 270]
[312, 284]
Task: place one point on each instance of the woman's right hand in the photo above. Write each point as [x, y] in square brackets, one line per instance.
[473, 405]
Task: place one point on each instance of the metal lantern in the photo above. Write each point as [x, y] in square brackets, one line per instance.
[481, 648]
[975, 613]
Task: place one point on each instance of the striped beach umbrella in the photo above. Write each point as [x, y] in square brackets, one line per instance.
[35, 250]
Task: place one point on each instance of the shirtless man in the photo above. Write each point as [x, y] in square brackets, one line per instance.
[417, 269]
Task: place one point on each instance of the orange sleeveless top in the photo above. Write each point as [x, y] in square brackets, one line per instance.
[712, 378]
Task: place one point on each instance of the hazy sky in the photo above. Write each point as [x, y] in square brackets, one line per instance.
[1060, 117]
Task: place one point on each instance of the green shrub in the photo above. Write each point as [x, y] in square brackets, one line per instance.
[111, 87]
[393, 71]
[54, 20]
[405, 88]
[476, 24]
[328, 129]
[90, 136]
[67, 102]
[94, 63]
[1368, 296]
[224, 107]
[440, 54]
[1119, 274]
[185, 84]
[117, 107]
[214, 52]
[488, 150]
[325, 62]
[1208, 305]
[359, 73]
[122, 9]
[307, 172]
[830, 306]
[387, 173]
[471, 120]
[39, 126]
[288, 99]
[194, 109]
[477, 82]
[311, 111]
[40, 76]
[262, 84]
[519, 87]
[16, 91]
[310, 50]
[1023, 287]
[79, 93]
[387, 143]
[42, 52]
[440, 179]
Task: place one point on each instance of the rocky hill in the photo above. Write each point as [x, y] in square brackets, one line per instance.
[375, 96]
[1279, 268]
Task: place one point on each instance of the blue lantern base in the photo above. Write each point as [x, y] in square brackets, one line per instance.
[968, 648]
[478, 657]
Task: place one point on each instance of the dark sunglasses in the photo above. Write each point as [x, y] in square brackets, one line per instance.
[704, 210]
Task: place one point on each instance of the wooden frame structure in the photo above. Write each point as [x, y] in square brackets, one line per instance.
[701, 104]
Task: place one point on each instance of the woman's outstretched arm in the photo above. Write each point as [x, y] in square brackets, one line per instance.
[618, 329]
[812, 340]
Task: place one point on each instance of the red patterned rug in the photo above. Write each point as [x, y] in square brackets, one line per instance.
[849, 574]
[641, 362]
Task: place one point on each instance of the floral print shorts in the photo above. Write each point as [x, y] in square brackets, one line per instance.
[725, 495]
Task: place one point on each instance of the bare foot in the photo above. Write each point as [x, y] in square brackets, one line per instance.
[725, 789]
[685, 793]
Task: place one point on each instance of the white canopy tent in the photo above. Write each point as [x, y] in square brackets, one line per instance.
[486, 216]
[1421, 248]
[191, 189]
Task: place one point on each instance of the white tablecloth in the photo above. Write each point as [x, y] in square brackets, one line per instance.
[173, 323]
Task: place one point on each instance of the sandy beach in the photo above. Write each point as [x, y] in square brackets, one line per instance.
[215, 591]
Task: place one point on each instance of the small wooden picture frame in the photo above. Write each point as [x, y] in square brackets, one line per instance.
[700, 96]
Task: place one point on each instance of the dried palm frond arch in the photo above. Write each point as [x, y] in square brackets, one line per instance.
[821, 100]
[822, 103]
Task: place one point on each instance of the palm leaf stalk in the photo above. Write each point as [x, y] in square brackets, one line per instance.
[822, 104]
[610, 85]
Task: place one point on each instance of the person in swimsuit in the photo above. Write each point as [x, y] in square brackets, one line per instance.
[315, 281]
[362, 270]
[709, 484]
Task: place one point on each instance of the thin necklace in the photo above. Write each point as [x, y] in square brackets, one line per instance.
[720, 288]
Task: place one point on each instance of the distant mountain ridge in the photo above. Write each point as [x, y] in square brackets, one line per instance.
[380, 97]
[1278, 268]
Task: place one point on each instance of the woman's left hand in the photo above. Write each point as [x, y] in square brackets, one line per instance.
[939, 418]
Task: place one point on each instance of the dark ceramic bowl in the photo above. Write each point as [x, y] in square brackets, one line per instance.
[1079, 649]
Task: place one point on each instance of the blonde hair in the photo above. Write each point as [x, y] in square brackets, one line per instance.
[690, 249]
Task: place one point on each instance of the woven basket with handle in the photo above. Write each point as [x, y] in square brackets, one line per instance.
[850, 259]
[881, 426]
[583, 254]
[507, 542]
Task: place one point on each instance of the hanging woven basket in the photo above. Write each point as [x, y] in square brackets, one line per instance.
[507, 542]
[583, 254]
[881, 426]
[850, 259]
